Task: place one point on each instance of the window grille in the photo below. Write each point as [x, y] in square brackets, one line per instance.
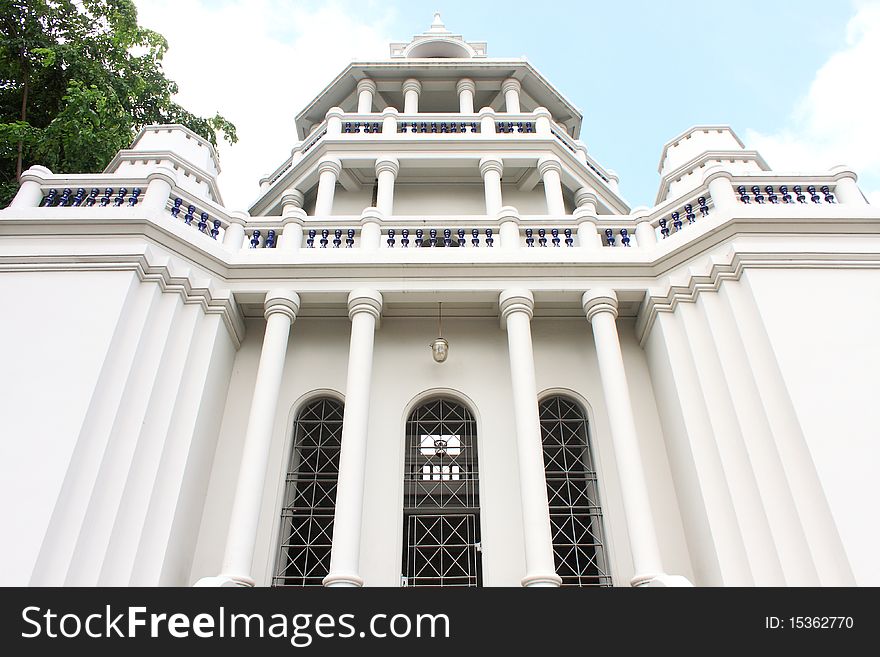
[310, 496]
[441, 514]
[572, 491]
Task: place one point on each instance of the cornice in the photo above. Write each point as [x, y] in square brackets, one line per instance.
[686, 288]
[149, 267]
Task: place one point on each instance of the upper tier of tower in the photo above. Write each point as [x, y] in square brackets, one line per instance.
[430, 68]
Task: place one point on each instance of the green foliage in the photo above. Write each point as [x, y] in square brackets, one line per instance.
[78, 79]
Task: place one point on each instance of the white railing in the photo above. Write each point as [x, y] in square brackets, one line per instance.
[112, 196]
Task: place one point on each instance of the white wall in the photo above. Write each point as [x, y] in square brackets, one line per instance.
[52, 356]
[822, 325]
[752, 502]
[109, 373]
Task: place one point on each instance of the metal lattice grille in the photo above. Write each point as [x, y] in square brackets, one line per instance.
[310, 496]
[572, 491]
[441, 511]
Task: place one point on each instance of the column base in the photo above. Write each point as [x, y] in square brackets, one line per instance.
[224, 581]
[340, 580]
[534, 581]
[660, 580]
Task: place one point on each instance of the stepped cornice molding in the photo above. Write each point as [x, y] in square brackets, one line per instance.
[150, 267]
[687, 286]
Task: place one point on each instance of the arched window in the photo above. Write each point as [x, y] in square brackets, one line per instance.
[572, 491]
[441, 507]
[310, 495]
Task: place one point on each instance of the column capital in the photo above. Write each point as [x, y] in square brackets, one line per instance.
[389, 112]
[387, 163]
[585, 195]
[366, 84]
[283, 302]
[599, 300]
[334, 113]
[330, 164]
[516, 300]
[36, 173]
[542, 112]
[511, 84]
[412, 85]
[508, 213]
[714, 172]
[491, 164]
[365, 300]
[840, 171]
[549, 163]
[292, 197]
[160, 173]
[465, 84]
[239, 217]
[372, 214]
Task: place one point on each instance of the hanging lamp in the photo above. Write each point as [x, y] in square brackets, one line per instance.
[440, 347]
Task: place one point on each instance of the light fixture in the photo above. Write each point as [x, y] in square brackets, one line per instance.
[440, 347]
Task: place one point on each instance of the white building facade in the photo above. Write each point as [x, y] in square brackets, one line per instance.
[672, 395]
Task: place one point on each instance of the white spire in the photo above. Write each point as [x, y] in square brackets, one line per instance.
[437, 25]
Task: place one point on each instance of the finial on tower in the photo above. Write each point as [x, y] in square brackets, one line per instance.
[437, 25]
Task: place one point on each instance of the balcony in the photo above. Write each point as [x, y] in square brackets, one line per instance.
[111, 205]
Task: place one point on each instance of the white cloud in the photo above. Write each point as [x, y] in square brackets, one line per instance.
[837, 122]
[259, 62]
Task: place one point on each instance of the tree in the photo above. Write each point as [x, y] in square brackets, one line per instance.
[78, 79]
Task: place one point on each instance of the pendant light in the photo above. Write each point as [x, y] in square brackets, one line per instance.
[439, 347]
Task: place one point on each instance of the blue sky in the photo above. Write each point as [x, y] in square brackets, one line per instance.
[795, 79]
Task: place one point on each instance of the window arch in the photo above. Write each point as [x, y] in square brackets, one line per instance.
[310, 495]
[573, 494]
[441, 507]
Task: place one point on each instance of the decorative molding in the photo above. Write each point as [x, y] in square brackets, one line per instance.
[149, 267]
[687, 288]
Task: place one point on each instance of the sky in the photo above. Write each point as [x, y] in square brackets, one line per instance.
[796, 79]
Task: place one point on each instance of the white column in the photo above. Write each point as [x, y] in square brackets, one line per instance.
[389, 121]
[508, 218]
[387, 168]
[328, 173]
[371, 229]
[511, 88]
[30, 194]
[487, 121]
[280, 310]
[720, 188]
[846, 188]
[516, 307]
[293, 218]
[334, 121]
[490, 169]
[613, 181]
[543, 125]
[587, 218]
[234, 237]
[466, 89]
[161, 183]
[366, 88]
[364, 309]
[411, 90]
[646, 238]
[550, 169]
[600, 306]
